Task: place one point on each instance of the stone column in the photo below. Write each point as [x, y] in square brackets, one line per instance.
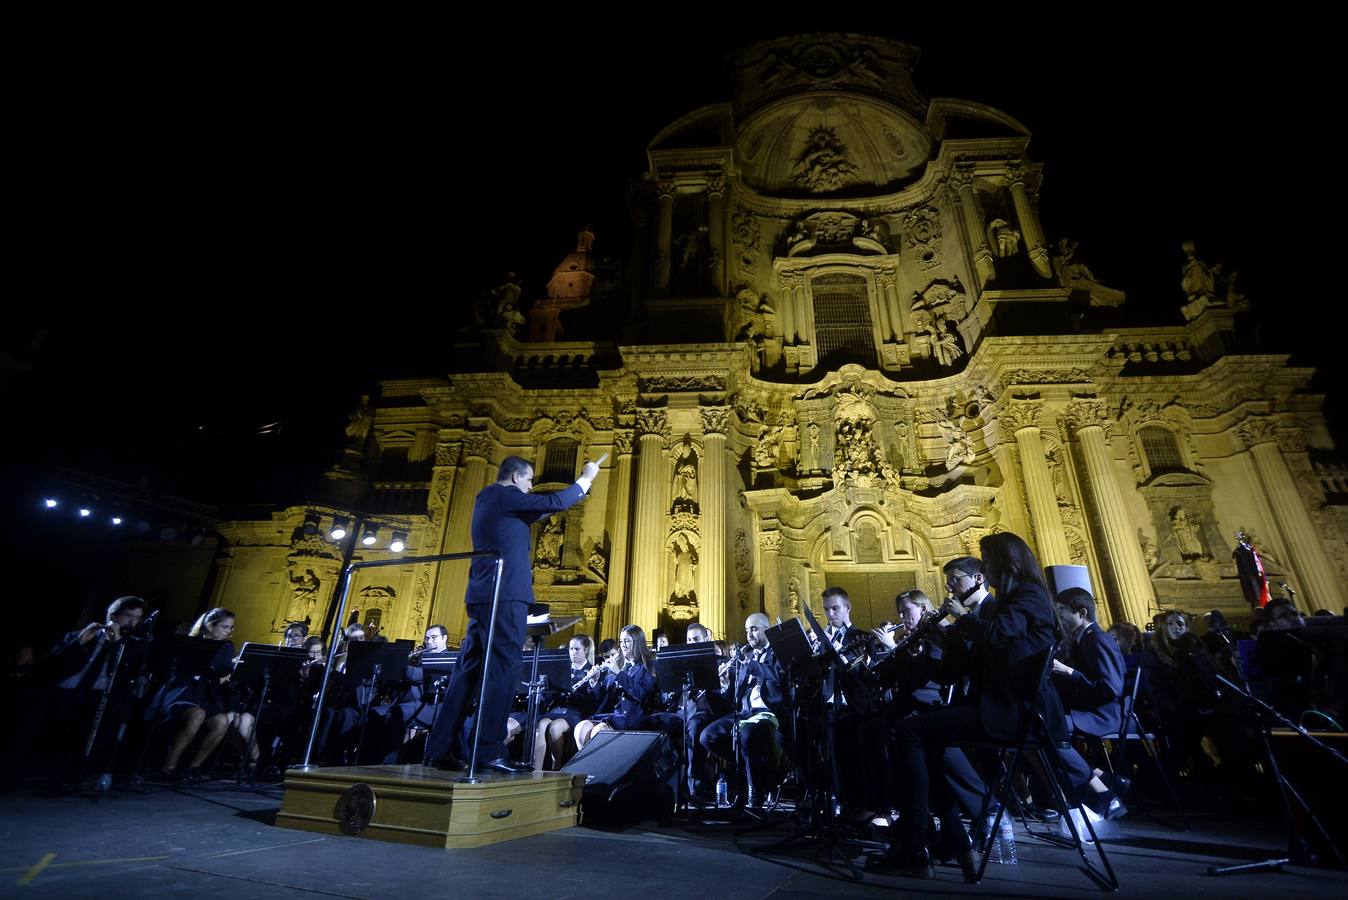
[962, 180]
[882, 306]
[790, 283]
[712, 480]
[1136, 597]
[770, 543]
[448, 608]
[888, 280]
[1305, 549]
[619, 526]
[648, 537]
[428, 582]
[664, 235]
[1030, 232]
[716, 232]
[1010, 500]
[1021, 418]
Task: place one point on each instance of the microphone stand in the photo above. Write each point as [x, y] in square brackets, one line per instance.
[1297, 848]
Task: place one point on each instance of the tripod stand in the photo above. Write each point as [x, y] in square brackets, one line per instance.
[1298, 851]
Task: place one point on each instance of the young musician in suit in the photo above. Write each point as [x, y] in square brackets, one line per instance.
[630, 694]
[502, 514]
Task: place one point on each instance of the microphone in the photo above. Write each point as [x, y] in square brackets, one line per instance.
[1288, 588]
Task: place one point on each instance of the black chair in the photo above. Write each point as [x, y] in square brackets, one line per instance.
[1034, 740]
[1132, 729]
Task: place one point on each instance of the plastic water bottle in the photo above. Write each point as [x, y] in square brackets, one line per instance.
[995, 852]
[722, 792]
[1006, 841]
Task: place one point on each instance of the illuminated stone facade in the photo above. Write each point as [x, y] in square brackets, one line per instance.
[852, 352]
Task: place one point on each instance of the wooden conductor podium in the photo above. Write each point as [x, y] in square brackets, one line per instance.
[428, 807]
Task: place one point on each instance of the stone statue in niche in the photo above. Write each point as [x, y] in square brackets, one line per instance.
[598, 563]
[1003, 238]
[549, 552]
[793, 596]
[1186, 535]
[1056, 472]
[685, 567]
[959, 448]
[303, 598]
[903, 436]
[685, 481]
[945, 344]
[690, 248]
[816, 454]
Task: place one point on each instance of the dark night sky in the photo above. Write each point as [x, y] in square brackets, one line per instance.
[228, 220]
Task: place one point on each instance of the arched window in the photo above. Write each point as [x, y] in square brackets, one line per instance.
[1161, 449]
[842, 319]
[559, 461]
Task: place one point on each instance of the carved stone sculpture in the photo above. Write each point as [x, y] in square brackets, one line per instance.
[1003, 238]
[549, 552]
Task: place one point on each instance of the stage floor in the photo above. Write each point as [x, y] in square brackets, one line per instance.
[215, 841]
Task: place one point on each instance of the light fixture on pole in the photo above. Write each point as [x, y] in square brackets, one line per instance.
[312, 523]
[399, 542]
[50, 503]
[368, 535]
[339, 525]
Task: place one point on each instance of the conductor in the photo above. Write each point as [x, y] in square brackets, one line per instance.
[502, 514]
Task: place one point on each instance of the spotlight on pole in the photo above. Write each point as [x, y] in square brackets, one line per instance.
[399, 542]
[312, 523]
[85, 512]
[367, 537]
[116, 520]
[339, 525]
[50, 503]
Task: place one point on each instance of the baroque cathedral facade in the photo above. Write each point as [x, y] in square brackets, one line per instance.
[849, 353]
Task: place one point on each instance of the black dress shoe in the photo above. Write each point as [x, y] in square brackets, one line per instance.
[1119, 784]
[910, 865]
[957, 849]
[1107, 805]
[508, 767]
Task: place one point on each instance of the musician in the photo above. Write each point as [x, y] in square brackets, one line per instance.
[853, 646]
[1090, 678]
[1009, 644]
[761, 712]
[294, 635]
[69, 681]
[966, 582]
[502, 514]
[630, 694]
[202, 704]
[577, 704]
[913, 677]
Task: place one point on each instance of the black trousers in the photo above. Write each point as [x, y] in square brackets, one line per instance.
[760, 747]
[499, 670]
[919, 751]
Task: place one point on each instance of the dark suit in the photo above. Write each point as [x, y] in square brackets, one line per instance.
[1008, 646]
[1091, 692]
[502, 515]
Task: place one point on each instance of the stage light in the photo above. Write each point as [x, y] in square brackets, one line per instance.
[85, 512]
[367, 537]
[116, 520]
[196, 539]
[50, 503]
[312, 523]
[168, 533]
[399, 542]
[338, 528]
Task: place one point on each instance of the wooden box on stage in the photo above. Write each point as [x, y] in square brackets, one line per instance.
[417, 805]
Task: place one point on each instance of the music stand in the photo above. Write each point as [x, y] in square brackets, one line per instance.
[260, 664]
[180, 654]
[378, 661]
[538, 626]
[686, 668]
[437, 668]
[789, 642]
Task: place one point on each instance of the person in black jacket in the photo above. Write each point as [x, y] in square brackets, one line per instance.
[1090, 679]
[1009, 649]
[502, 514]
[68, 682]
[628, 697]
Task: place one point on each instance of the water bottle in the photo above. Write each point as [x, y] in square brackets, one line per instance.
[1006, 841]
[994, 852]
[722, 792]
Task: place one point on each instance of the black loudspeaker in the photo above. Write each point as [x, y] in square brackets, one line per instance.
[629, 776]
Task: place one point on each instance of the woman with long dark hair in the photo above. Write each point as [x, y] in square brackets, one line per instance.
[631, 693]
